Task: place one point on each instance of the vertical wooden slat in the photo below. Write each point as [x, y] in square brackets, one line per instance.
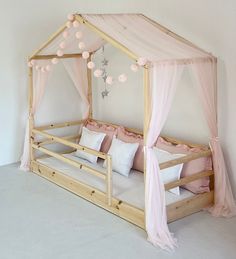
[109, 180]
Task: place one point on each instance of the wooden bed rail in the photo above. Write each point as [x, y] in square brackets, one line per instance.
[60, 125]
[49, 141]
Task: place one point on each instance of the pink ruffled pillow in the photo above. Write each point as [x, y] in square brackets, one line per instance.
[107, 129]
[130, 137]
[194, 166]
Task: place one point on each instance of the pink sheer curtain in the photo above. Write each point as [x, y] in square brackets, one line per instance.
[164, 79]
[77, 70]
[205, 73]
[40, 80]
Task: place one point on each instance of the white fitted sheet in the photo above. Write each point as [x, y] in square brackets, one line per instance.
[129, 189]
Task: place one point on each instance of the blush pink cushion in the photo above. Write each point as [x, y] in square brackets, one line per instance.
[194, 166]
[130, 137]
[107, 129]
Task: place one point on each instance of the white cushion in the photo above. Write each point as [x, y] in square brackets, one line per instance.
[122, 154]
[90, 139]
[169, 174]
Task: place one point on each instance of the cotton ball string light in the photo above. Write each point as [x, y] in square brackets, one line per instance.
[54, 61]
[81, 45]
[134, 67]
[43, 69]
[37, 67]
[69, 24]
[90, 65]
[122, 78]
[75, 24]
[98, 73]
[79, 34]
[60, 53]
[70, 17]
[142, 61]
[109, 80]
[65, 34]
[48, 68]
[62, 45]
[85, 54]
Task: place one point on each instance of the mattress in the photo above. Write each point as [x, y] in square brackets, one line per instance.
[128, 189]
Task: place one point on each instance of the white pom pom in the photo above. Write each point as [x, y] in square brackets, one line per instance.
[70, 17]
[75, 24]
[109, 80]
[69, 24]
[65, 34]
[79, 34]
[122, 78]
[54, 61]
[48, 68]
[98, 73]
[142, 61]
[62, 45]
[134, 67]
[90, 65]
[60, 53]
[85, 54]
[81, 45]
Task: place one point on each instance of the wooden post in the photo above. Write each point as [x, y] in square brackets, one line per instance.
[90, 92]
[31, 118]
[109, 180]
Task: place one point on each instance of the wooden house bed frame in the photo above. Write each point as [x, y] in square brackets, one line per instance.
[106, 200]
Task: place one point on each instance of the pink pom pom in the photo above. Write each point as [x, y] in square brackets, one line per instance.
[85, 54]
[43, 69]
[65, 34]
[69, 24]
[70, 17]
[79, 34]
[54, 61]
[48, 68]
[142, 61]
[60, 53]
[62, 45]
[90, 65]
[134, 67]
[98, 73]
[75, 24]
[109, 80]
[122, 78]
[81, 45]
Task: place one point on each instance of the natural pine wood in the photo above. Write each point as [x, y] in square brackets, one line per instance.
[60, 125]
[72, 55]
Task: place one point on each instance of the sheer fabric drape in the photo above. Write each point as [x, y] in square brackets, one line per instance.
[164, 79]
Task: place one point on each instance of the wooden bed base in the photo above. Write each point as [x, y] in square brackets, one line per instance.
[105, 200]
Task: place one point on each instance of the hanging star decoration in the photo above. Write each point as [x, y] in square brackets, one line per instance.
[104, 73]
[105, 93]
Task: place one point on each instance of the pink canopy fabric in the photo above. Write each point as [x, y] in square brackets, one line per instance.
[40, 80]
[77, 70]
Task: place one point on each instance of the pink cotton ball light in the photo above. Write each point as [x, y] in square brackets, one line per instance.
[98, 73]
[54, 61]
[65, 34]
[79, 35]
[109, 80]
[85, 55]
[134, 67]
[81, 45]
[62, 45]
[75, 24]
[60, 53]
[142, 61]
[91, 65]
[70, 17]
[122, 78]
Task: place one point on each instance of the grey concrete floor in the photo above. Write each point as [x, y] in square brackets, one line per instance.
[41, 220]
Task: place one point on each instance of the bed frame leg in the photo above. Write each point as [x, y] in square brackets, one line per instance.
[109, 180]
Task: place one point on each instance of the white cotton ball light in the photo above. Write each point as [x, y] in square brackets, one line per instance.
[91, 65]
[48, 68]
[75, 24]
[65, 34]
[134, 67]
[81, 45]
[62, 45]
[79, 35]
[142, 61]
[60, 53]
[69, 24]
[70, 17]
[109, 80]
[85, 55]
[54, 61]
[98, 73]
[122, 78]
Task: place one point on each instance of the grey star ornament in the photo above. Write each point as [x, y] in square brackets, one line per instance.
[105, 93]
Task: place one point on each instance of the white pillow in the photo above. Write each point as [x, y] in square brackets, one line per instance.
[90, 139]
[122, 154]
[169, 174]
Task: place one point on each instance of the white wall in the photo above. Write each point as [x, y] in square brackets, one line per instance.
[208, 23]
